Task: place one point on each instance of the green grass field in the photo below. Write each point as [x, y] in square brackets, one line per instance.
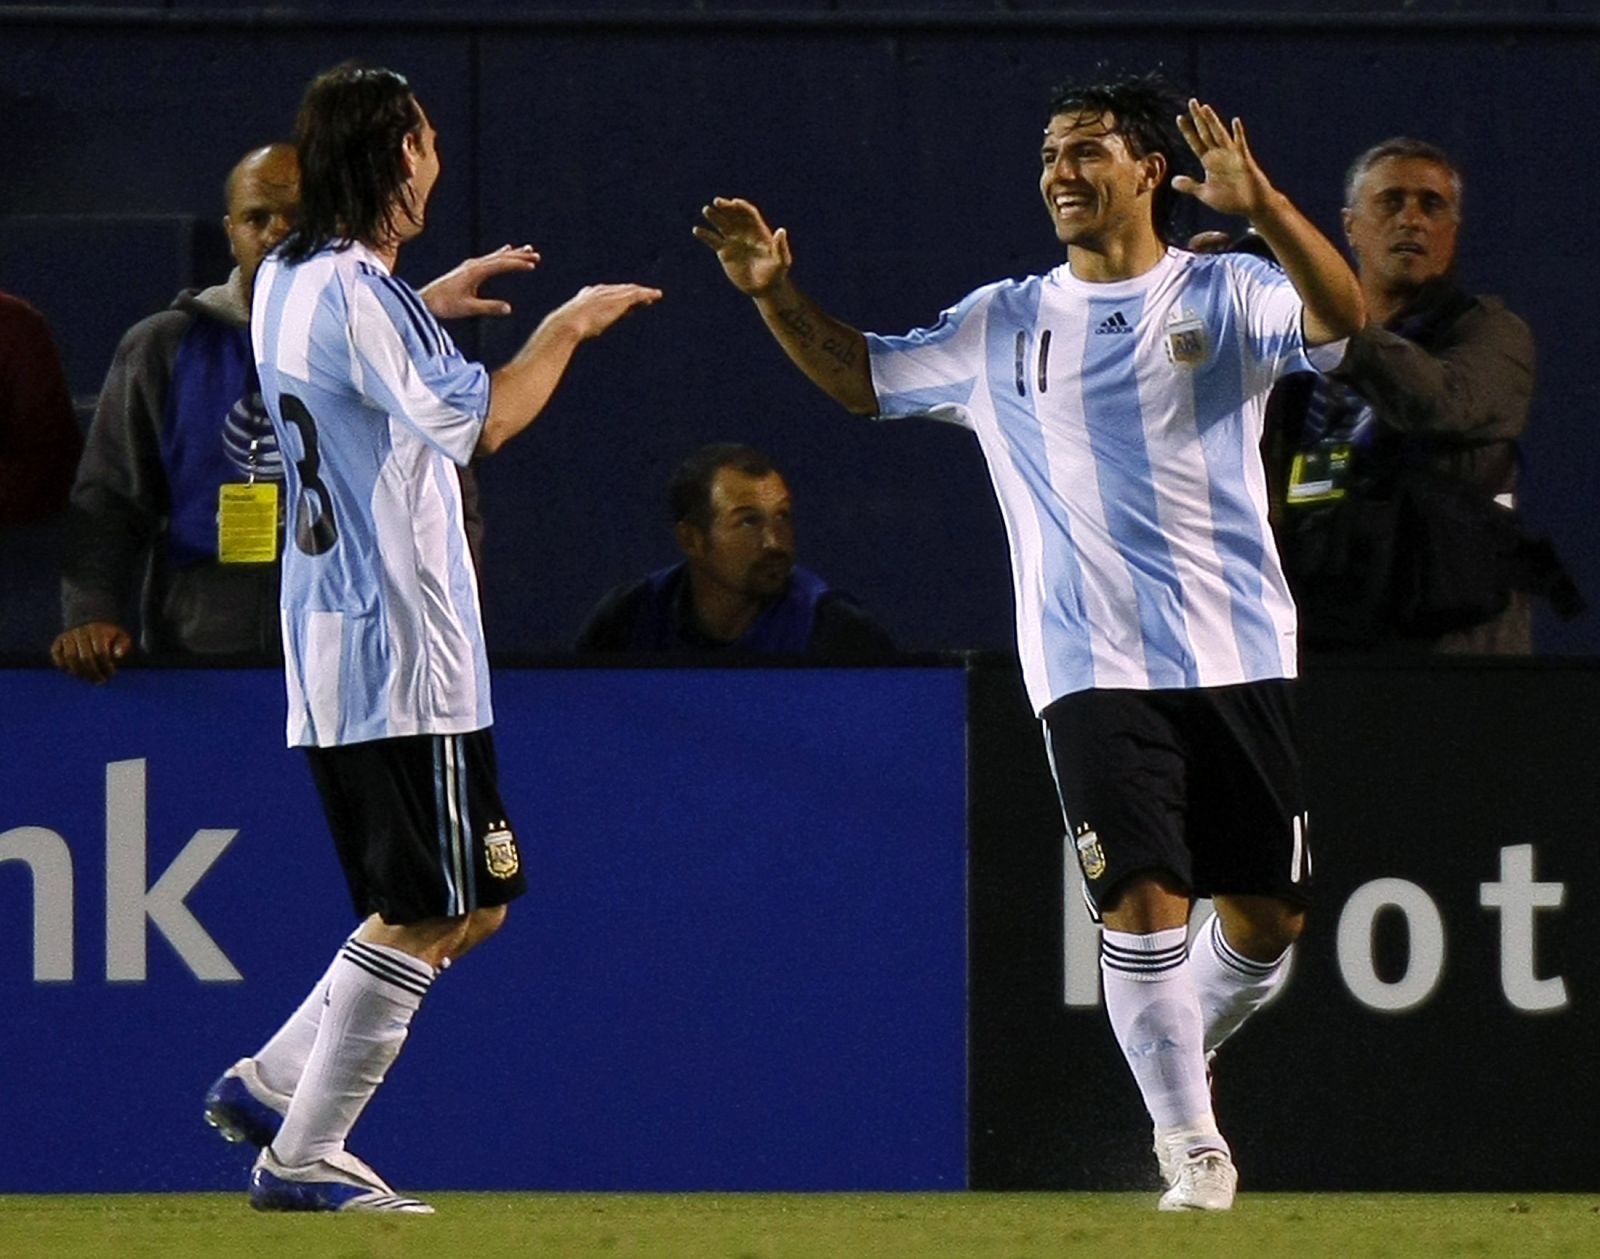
[810, 1226]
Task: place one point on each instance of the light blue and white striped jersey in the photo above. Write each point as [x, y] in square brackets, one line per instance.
[1122, 423]
[374, 407]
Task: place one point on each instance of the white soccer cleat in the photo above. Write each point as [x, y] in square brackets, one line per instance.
[340, 1182]
[1206, 1180]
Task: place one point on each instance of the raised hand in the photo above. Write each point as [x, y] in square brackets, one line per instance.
[594, 308]
[753, 256]
[1233, 183]
[454, 295]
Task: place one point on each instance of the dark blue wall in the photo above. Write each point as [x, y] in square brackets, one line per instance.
[900, 153]
[740, 964]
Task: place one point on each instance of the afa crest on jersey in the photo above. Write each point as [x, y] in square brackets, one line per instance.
[500, 852]
[1186, 339]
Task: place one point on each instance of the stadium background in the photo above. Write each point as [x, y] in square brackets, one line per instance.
[898, 146]
[897, 142]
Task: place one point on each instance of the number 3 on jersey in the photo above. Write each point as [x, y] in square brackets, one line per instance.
[314, 529]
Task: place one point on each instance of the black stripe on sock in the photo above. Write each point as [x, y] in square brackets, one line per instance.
[1236, 961]
[418, 972]
[385, 968]
[1127, 962]
[1110, 946]
[417, 990]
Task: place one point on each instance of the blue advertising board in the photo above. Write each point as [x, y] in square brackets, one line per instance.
[741, 964]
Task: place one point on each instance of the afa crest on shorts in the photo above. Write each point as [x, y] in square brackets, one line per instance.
[500, 852]
[1091, 856]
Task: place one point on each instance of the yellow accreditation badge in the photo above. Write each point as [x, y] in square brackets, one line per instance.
[1318, 475]
[247, 523]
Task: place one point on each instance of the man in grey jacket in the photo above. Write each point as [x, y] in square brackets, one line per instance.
[180, 417]
[1440, 379]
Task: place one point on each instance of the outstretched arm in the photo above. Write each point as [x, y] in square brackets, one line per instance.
[1235, 184]
[757, 261]
[519, 391]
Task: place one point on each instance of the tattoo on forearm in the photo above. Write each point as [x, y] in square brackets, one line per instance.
[794, 319]
[841, 350]
[803, 329]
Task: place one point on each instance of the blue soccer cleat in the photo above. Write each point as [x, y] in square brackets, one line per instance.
[339, 1182]
[242, 1108]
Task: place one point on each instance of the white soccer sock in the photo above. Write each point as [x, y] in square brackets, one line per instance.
[1231, 987]
[1156, 1020]
[280, 1061]
[373, 991]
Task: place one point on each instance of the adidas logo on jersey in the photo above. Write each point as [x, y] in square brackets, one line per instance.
[1113, 324]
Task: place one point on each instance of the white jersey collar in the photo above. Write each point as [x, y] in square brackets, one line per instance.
[1170, 260]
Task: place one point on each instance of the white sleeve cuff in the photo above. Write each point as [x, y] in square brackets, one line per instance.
[1326, 357]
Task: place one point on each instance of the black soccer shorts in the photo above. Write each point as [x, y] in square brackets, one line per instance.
[419, 825]
[1203, 784]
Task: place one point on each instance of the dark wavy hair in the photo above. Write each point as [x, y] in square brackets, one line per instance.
[689, 495]
[1144, 110]
[350, 135]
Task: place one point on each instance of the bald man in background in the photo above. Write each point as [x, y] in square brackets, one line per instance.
[179, 418]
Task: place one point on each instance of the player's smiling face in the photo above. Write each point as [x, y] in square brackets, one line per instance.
[1095, 189]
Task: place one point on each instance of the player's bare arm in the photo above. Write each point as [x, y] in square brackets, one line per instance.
[454, 295]
[519, 391]
[757, 261]
[1235, 184]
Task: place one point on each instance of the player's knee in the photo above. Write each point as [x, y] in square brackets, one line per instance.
[1148, 900]
[1262, 928]
[1278, 936]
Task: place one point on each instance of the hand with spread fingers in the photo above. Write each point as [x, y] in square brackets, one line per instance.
[753, 256]
[454, 295]
[1233, 183]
